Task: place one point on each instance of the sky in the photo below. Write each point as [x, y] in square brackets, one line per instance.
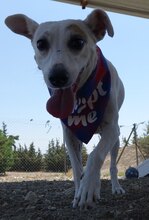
[23, 93]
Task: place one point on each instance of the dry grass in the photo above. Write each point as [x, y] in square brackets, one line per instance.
[127, 159]
[31, 176]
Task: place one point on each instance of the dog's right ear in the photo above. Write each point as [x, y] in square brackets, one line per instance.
[21, 24]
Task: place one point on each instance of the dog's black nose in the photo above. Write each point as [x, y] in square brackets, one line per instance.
[58, 76]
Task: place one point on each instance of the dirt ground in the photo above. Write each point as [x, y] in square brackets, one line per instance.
[36, 196]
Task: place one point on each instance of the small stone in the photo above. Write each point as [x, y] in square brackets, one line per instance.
[39, 218]
[5, 204]
[30, 209]
[52, 208]
[31, 197]
[20, 210]
[130, 206]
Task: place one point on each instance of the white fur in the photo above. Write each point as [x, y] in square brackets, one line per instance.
[92, 29]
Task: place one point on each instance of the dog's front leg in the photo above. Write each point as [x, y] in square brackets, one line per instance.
[89, 190]
[74, 150]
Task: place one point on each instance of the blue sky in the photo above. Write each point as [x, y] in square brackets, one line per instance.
[23, 93]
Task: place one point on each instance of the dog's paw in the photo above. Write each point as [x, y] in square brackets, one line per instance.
[117, 189]
[88, 193]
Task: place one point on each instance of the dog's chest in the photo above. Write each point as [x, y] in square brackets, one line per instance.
[90, 104]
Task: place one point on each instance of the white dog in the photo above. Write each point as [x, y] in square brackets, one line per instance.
[86, 92]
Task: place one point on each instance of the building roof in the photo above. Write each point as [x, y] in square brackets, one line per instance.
[138, 8]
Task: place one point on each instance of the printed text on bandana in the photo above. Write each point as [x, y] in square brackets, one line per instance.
[77, 117]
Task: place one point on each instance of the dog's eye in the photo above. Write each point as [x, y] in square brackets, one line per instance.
[42, 45]
[76, 43]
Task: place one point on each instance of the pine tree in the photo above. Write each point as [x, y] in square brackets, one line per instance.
[55, 157]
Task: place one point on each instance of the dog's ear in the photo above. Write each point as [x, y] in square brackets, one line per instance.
[99, 22]
[21, 24]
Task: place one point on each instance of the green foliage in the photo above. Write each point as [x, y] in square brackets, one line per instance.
[27, 159]
[56, 159]
[7, 142]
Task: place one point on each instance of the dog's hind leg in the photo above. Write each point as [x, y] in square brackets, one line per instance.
[74, 147]
[116, 187]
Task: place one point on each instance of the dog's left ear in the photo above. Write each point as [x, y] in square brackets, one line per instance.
[99, 22]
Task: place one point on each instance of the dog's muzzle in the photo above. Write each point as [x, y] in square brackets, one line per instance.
[59, 76]
[61, 102]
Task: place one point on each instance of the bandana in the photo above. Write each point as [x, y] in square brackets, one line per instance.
[90, 103]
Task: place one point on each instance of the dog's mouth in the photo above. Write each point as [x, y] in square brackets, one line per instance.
[61, 102]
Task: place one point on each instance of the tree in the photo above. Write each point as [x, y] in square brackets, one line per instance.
[57, 159]
[34, 159]
[7, 142]
[54, 159]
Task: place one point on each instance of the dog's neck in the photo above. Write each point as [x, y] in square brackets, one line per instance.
[90, 102]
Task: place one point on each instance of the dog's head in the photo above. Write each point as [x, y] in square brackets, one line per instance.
[65, 51]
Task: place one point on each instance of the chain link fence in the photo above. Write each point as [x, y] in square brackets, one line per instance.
[23, 159]
[28, 159]
[56, 159]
